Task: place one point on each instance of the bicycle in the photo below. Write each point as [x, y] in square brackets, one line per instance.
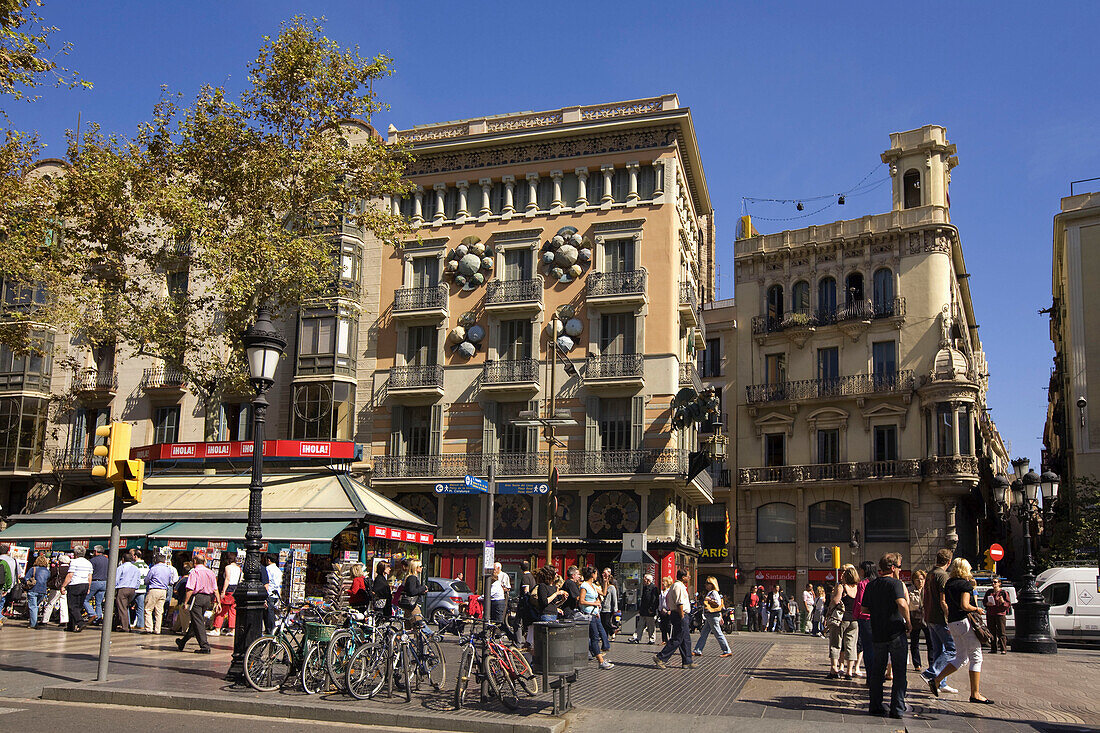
[368, 667]
[273, 658]
[507, 667]
[362, 629]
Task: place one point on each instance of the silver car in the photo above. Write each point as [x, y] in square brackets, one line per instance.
[445, 598]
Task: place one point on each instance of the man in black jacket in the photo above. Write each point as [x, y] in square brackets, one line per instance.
[571, 586]
[648, 600]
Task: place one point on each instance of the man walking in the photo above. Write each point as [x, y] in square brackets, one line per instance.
[648, 601]
[75, 586]
[274, 586]
[158, 584]
[997, 604]
[127, 580]
[679, 605]
[9, 576]
[806, 610]
[935, 614]
[775, 608]
[887, 602]
[97, 587]
[202, 589]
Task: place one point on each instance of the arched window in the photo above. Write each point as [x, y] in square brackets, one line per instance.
[853, 288]
[800, 297]
[775, 522]
[775, 303]
[831, 522]
[826, 298]
[883, 293]
[886, 520]
[910, 187]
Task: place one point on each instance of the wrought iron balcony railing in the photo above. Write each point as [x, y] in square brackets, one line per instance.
[415, 299]
[412, 377]
[904, 468]
[603, 284]
[520, 371]
[808, 389]
[534, 464]
[163, 378]
[612, 366]
[950, 465]
[860, 310]
[501, 292]
[93, 381]
[689, 297]
[68, 459]
[689, 376]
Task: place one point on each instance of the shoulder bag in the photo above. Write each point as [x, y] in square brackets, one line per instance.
[977, 624]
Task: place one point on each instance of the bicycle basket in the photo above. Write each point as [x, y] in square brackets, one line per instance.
[320, 633]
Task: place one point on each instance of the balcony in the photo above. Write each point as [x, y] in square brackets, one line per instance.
[689, 304]
[859, 311]
[950, 466]
[163, 379]
[67, 459]
[823, 389]
[689, 376]
[420, 303]
[89, 384]
[617, 287]
[422, 383]
[615, 370]
[817, 472]
[514, 296]
[520, 375]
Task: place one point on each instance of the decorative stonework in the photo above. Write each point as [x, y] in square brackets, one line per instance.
[611, 226]
[441, 132]
[523, 122]
[469, 264]
[629, 109]
[517, 235]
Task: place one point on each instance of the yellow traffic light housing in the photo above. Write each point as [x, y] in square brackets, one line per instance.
[131, 476]
[990, 565]
[836, 558]
[126, 475]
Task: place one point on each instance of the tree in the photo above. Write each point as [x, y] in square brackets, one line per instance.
[1075, 532]
[24, 45]
[243, 195]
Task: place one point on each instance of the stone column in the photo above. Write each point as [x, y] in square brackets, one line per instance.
[395, 205]
[486, 210]
[532, 193]
[951, 535]
[582, 187]
[439, 214]
[509, 200]
[632, 197]
[557, 202]
[658, 179]
[418, 206]
[608, 198]
[955, 428]
[463, 209]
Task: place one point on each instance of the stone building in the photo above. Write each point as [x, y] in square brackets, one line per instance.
[861, 410]
[599, 215]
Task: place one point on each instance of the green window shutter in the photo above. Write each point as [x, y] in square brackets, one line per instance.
[533, 432]
[592, 424]
[436, 446]
[637, 421]
[397, 447]
[489, 428]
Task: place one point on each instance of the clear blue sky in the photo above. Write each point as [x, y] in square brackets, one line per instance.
[789, 100]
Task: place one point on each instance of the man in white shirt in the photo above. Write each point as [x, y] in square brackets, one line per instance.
[274, 586]
[9, 576]
[679, 606]
[807, 609]
[75, 586]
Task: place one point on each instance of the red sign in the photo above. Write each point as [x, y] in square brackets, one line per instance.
[765, 574]
[176, 544]
[668, 565]
[303, 546]
[823, 576]
[42, 545]
[220, 545]
[401, 535]
[996, 553]
[338, 450]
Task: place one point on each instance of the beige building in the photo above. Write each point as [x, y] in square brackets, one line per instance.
[718, 370]
[1072, 437]
[598, 214]
[861, 383]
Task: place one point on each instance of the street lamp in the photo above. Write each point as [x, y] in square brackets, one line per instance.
[264, 347]
[1032, 621]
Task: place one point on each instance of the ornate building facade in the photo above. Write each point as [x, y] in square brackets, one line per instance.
[860, 405]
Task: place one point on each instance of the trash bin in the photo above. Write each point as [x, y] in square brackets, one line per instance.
[580, 641]
[554, 648]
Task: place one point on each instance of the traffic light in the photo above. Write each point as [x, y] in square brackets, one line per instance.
[126, 475]
[990, 565]
[836, 557]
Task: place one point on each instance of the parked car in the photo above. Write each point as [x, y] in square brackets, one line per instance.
[445, 598]
[1074, 598]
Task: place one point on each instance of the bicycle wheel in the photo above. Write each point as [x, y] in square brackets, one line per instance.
[505, 686]
[366, 672]
[434, 664]
[314, 674]
[465, 674]
[268, 663]
[406, 670]
[392, 663]
[525, 677]
[339, 651]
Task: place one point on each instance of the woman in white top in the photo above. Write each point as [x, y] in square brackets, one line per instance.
[590, 602]
[228, 611]
[663, 616]
[712, 620]
[76, 587]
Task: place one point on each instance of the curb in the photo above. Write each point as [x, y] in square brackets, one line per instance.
[413, 720]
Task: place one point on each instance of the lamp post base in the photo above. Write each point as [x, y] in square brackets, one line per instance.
[1033, 624]
[252, 603]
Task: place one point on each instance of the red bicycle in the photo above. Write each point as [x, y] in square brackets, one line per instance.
[507, 668]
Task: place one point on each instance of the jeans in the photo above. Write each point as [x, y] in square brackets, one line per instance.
[97, 590]
[943, 650]
[895, 652]
[34, 600]
[680, 641]
[597, 636]
[269, 615]
[865, 642]
[764, 618]
[712, 624]
[139, 610]
[548, 617]
[914, 644]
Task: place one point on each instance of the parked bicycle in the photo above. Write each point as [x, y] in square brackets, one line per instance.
[507, 668]
[274, 658]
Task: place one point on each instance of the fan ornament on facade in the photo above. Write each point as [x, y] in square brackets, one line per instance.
[567, 255]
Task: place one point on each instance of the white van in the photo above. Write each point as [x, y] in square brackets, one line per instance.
[1074, 598]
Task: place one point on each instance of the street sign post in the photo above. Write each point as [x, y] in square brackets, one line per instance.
[539, 488]
[996, 552]
[490, 558]
[449, 489]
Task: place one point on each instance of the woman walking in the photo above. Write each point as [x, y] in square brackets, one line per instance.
[712, 619]
[959, 593]
[381, 595]
[589, 603]
[843, 633]
[916, 618]
[412, 592]
[818, 626]
[39, 573]
[609, 606]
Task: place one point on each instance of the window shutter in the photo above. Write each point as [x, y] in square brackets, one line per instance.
[533, 432]
[80, 431]
[592, 424]
[435, 447]
[489, 418]
[397, 416]
[637, 421]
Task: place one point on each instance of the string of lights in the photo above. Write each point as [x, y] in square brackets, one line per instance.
[869, 188]
[802, 199]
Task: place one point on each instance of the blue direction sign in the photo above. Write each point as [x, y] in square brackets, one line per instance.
[454, 489]
[523, 487]
[477, 484]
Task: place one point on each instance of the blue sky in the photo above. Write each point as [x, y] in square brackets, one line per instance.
[789, 100]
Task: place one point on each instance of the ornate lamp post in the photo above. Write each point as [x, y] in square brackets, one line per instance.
[1032, 621]
[264, 347]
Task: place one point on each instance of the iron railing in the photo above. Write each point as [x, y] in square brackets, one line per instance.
[689, 297]
[163, 378]
[510, 372]
[411, 377]
[689, 376]
[859, 310]
[568, 463]
[415, 299]
[67, 459]
[808, 389]
[93, 381]
[950, 465]
[500, 292]
[904, 468]
[603, 284]
[612, 366]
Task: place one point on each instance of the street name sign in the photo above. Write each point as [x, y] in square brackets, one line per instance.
[523, 487]
[477, 484]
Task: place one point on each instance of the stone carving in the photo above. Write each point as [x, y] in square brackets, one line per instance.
[607, 112]
[441, 132]
[469, 264]
[522, 122]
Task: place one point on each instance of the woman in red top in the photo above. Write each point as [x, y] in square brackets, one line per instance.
[863, 619]
[359, 594]
[997, 604]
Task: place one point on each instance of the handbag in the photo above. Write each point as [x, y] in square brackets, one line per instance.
[835, 618]
[977, 624]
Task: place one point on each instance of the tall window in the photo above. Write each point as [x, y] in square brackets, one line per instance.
[910, 185]
[830, 522]
[618, 255]
[545, 193]
[775, 303]
[420, 346]
[617, 333]
[235, 421]
[450, 202]
[615, 423]
[22, 432]
[828, 446]
[428, 205]
[826, 298]
[325, 343]
[425, 272]
[853, 287]
[775, 449]
[323, 411]
[800, 297]
[515, 339]
[177, 287]
[945, 429]
[775, 523]
[408, 206]
[496, 199]
[712, 358]
[517, 264]
[828, 366]
[883, 295]
[884, 359]
[166, 424]
[29, 369]
[886, 520]
[417, 430]
[886, 442]
[964, 430]
[775, 369]
[647, 182]
[521, 195]
[86, 421]
[620, 185]
[511, 438]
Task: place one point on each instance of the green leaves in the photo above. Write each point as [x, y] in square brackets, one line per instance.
[24, 45]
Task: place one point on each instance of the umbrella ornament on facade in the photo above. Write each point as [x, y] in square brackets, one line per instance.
[567, 255]
[465, 338]
[470, 264]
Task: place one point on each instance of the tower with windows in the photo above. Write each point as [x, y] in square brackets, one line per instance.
[920, 164]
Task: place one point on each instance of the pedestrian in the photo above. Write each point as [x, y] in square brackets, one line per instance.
[818, 626]
[527, 612]
[549, 593]
[806, 610]
[842, 627]
[648, 603]
[765, 607]
[97, 586]
[158, 585]
[76, 587]
[38, 575]
[498, 598]
[997, 603]
[959, 592]
[359, 595]
[412, 595]
[127, 580]
[201, 596]
[712, 619]
[916, 617]
[609, 603]
[664, 615]
[680, 616]
[138, 608]
[179, 592]
[57, 598]
[9, 577]
[571, 608]
[273, 584]
[775, 610]
[791, 619]
[590, 603]
[886, 601]
[381, 595]
[935, 616]
[227, 616]
[867, 573]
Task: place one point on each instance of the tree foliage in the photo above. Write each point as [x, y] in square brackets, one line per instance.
[25, 62]
[1075, 534]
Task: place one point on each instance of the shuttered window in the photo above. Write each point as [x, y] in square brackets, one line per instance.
[617, 333]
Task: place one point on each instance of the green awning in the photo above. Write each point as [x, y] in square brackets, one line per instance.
[277, 535]
[63, 535]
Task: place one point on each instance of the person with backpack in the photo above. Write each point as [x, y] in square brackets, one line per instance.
[38, 575]
[59, 568]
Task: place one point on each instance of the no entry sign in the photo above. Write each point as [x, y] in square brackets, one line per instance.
[996, 552]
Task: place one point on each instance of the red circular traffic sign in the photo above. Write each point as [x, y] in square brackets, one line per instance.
[996, 553]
